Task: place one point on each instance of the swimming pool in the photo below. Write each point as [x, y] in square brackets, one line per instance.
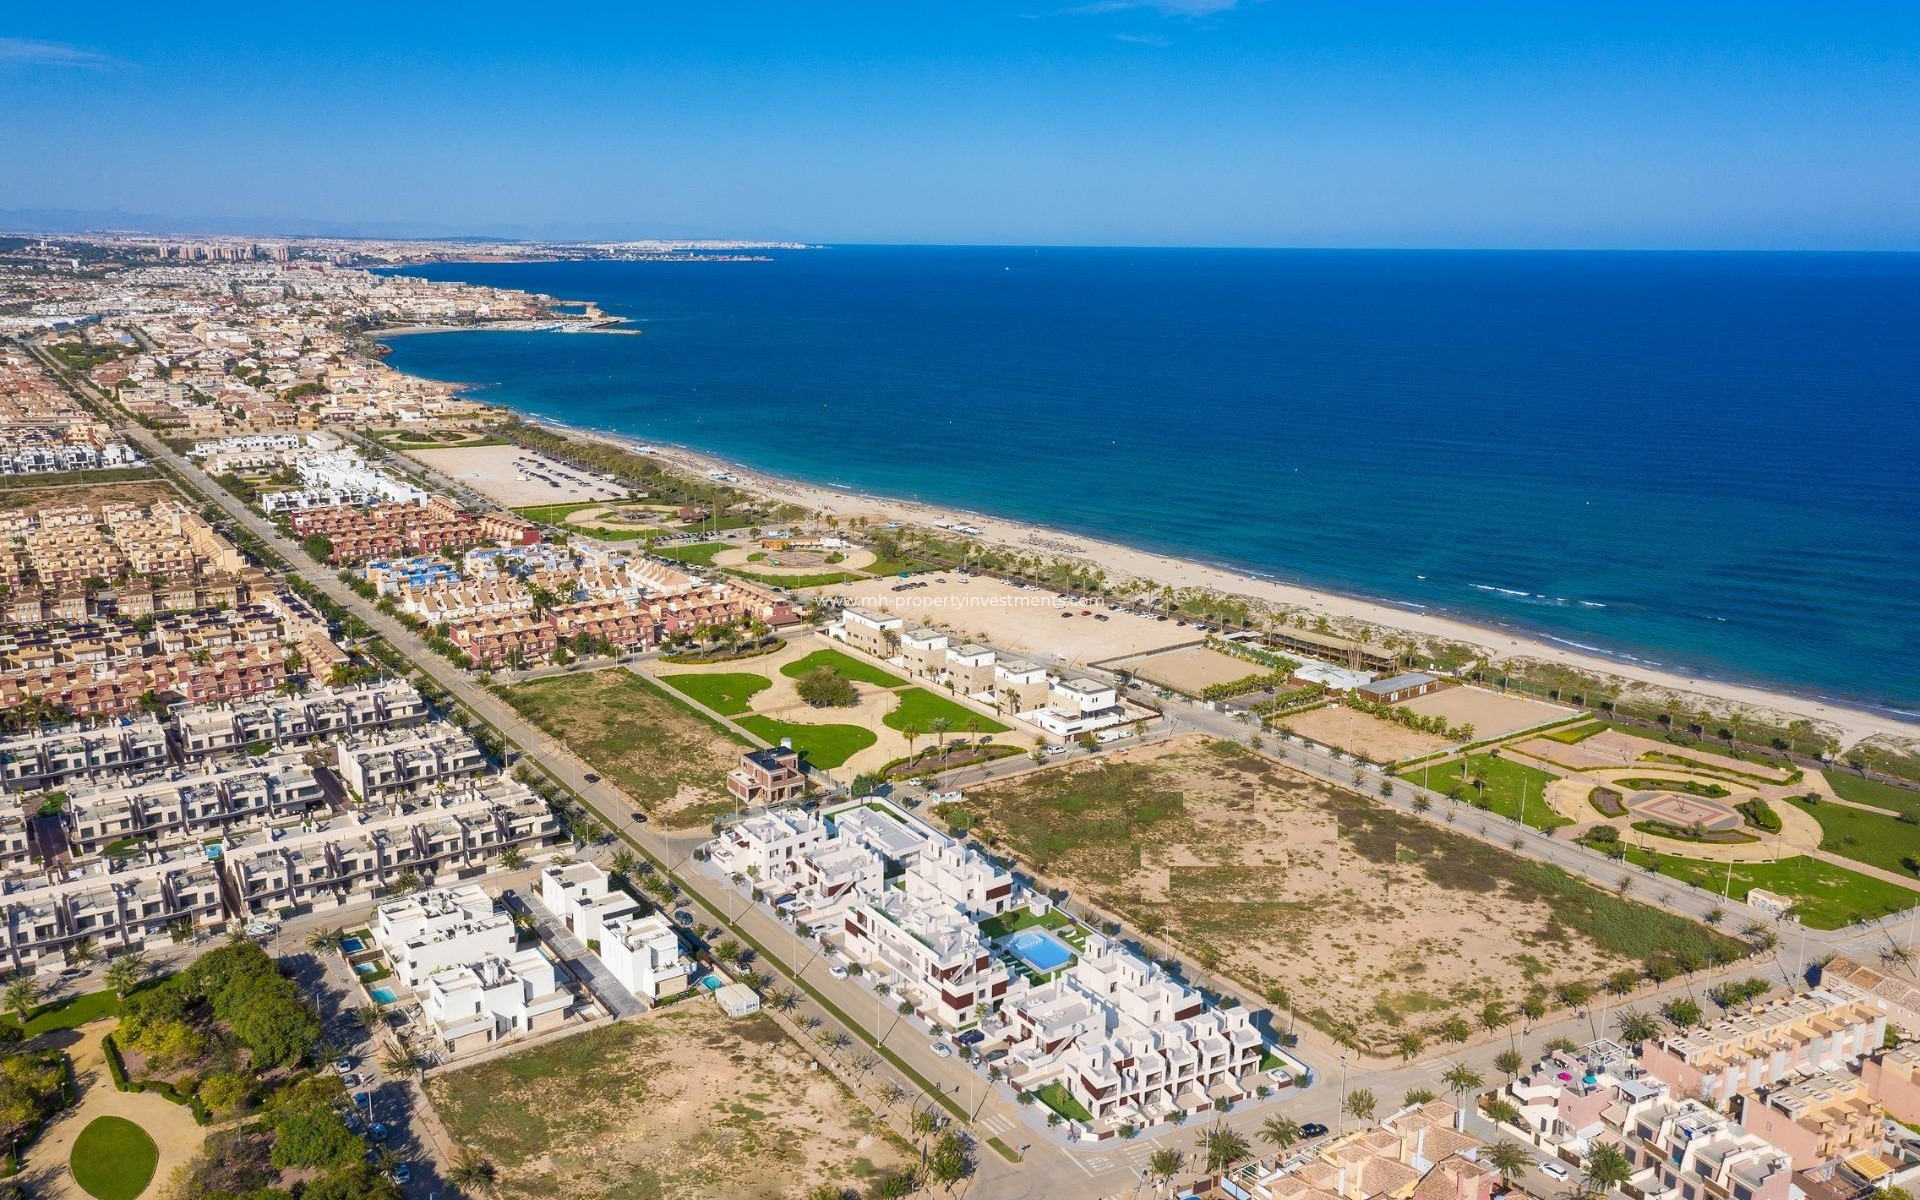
[365, 968]
[712, 983]
[352, 945]
[1040, 950]
[384, 995]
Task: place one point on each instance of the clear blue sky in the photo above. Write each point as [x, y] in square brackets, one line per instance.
[1207, 122]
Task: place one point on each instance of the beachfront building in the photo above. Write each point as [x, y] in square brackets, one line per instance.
[442, 927]
[1396, 688]
[1414, 1154]
[474, 1004]
[1080, 706]
[868, 631]
[1129, 1042]
[1768, 1044]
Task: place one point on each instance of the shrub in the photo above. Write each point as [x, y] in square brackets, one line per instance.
[823, 687]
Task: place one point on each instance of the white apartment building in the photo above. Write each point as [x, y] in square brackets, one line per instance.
[281, 720]
[188, 802]
[1768, 1043]
[1126, 1039]
[474, 1004]
[443, 927]
[42, 912]
[39, 759]
[867, 630]
[350, 856]
[930, 951]
[387, 762]
[768, 848]
[642, 952]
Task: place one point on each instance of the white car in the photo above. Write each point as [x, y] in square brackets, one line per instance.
[941, 1049]
[261, 928]
[837, 971]
[1551, 1167]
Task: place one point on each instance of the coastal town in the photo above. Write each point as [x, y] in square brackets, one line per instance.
[400, 796]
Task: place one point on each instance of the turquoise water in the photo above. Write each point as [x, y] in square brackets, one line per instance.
[384, 995]
[1706, 462]
[352, 945]
[1040, 950]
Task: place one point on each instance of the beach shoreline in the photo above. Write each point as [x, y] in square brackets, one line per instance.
[1852, 723]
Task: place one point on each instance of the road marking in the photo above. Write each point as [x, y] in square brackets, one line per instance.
[1094, 1164]
[995, 1123]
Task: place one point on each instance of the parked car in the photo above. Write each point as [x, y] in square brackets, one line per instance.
[972, 1037]
[590, 777]
[837, 971]
[1314, 1129]
[1552, 1168]
[402, 1173]
[942, 1050]
[379, 1132]
[343, 1064]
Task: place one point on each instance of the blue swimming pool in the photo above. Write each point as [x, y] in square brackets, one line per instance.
[1040, 950]
[352, 945]
[712, 983]
[365, 968]
[384, 995]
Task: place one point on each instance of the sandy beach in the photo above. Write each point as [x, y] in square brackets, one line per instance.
[1850, 724]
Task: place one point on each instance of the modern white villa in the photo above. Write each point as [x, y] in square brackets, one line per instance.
[642, 951]
[475, 1004]
[442, 927]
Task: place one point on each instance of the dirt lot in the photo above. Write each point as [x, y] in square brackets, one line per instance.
[1357, 733]
[1376, 924]
[663, 756]
[490, 471]
[1490, 713]
[682, 1105]
[1026, 622]
[1190, 669]
[139, 491]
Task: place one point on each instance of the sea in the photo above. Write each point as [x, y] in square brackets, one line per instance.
[1708, 463]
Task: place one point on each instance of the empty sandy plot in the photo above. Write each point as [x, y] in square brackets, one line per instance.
[1377, 924]
[491, 471]
[1355, 732]
[1490, 713]
[680, 1105]
[1190, 669]
[1026, 622]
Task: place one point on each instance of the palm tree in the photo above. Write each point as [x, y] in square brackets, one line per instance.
[400, 1062]
[1224, 1147]
[1360, 1104]
[1509, 1159]
[1607, 1168]
[1508, 1063]
[1281, 1132]
[1462, 1080]
[366, 1016]
[125, 973]
[21, 995]
[510, 858]
[938, 727]
[472, 1173]
[1636, 1027]
[322, 940]
[1164, 1165]
[1495, 1017]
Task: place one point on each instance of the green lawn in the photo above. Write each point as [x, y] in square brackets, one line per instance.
[919, 708]
[700, 554]
[824, 746]
[1869, 837]
[555, 514]
[1573, 734]
[727, 694]
[70, 1013]
[1018, 919]
[796, 582]
[1867, 791]
[1509, 786]
[844, 665]
[114, 1159]
[1056, 1097]
[1828, 896]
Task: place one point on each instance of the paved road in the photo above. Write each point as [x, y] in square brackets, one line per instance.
[583, 963]
[1053, 1171]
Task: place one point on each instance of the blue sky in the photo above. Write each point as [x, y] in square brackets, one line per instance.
[1176, 122]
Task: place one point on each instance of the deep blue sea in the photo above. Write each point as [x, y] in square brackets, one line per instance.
[1706, 461]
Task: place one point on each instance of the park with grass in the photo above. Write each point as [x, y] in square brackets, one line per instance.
[1498, 785]
[839, 709]
[114, 1159]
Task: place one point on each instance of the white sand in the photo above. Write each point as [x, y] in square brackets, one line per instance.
[1850, 724]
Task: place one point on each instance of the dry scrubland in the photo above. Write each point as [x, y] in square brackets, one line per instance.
[1378, 924]
[664, 756]
[684, 1105]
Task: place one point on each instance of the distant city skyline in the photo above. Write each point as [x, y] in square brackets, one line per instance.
[1117, 122]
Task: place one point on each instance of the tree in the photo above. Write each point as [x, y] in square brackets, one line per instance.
[1502, 1112]
[400, 1062]
[1682, 1011]
[1409, 1045]
[1495, 1017]
[950, 1161]
[21, 995]
[322, 940]
[1281, 1132]
[1416, 1095]
[1607, 1168]
[1509, 1159]
[823, 687]
[472, 1173]
[225, 1091]
[126, 973]
[1360, 1104]
[1508, 1063]
[312, 1134]
[1462, 1080]
[510, 858]
[1454, 1030]
[1164, 1165]
[1224, 1147]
